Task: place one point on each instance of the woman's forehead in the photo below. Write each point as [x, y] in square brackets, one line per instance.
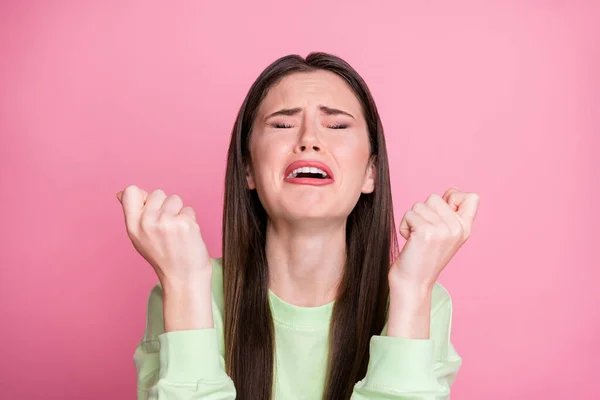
[309, 89]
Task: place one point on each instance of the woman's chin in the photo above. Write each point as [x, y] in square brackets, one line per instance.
[309, 207]
[313, 214]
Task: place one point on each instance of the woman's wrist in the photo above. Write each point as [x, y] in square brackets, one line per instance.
[410, 311]
[188, 305]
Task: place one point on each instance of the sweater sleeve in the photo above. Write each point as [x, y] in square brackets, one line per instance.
[179, 365]
[413, 369]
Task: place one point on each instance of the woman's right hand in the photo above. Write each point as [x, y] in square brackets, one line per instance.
[166, 234]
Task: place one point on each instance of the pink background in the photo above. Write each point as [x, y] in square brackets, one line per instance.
[501, 98]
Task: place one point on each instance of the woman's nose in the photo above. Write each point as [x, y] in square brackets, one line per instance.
[308, 139]
[303, 148]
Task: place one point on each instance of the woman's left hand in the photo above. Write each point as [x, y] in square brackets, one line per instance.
[434, 231]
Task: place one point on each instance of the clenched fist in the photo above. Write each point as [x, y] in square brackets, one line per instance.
[434, 231]
[166, 234]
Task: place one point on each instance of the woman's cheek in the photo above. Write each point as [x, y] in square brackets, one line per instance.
[272, 159]
[352, 152]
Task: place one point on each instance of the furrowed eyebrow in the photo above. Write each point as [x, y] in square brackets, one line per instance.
[285, 111]
[334, 111]
[293, 111]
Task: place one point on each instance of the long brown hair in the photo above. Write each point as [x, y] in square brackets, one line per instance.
[361, 305]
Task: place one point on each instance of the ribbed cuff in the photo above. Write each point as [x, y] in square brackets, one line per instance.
[401, 364]
[189, 356]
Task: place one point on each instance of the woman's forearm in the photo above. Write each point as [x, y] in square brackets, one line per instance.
[410, 311]
[188, 305]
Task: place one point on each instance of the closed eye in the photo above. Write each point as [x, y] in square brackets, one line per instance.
[337, 126]
[282, 125]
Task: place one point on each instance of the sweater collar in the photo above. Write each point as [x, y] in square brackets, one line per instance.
[300, 317]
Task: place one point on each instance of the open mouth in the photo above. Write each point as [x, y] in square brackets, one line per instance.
[308, 172]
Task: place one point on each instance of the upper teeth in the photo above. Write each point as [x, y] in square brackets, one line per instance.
[306, 170]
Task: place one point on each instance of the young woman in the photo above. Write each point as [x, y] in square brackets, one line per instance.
[311, 299]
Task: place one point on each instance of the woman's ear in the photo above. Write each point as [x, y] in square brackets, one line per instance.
[370, 175]
[249, 177]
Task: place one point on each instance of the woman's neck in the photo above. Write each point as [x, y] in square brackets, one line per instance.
[305, 264]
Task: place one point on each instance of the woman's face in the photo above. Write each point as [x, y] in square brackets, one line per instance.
[310, 149]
